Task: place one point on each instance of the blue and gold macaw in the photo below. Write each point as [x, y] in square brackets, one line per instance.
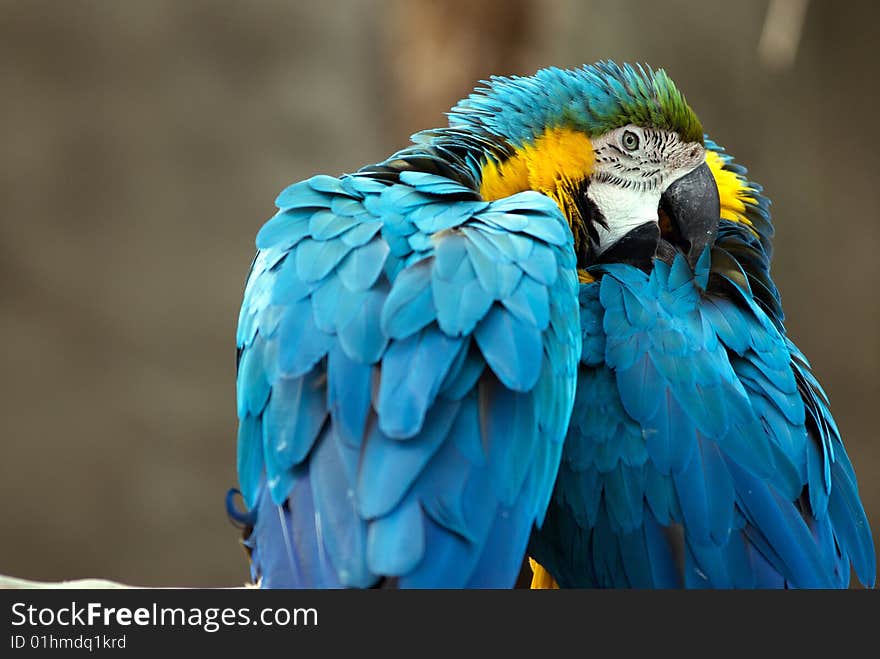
[548, 328]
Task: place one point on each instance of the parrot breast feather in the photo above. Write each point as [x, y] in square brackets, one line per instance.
[701, 452]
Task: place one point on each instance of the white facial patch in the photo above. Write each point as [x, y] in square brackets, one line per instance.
[624, 209]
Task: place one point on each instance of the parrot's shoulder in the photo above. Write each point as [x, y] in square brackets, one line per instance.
[381, 219]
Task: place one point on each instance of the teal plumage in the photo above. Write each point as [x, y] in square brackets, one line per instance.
[684, 428]
[412, 356]
[407, 366]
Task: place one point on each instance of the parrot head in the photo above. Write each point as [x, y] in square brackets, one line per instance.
[617, 147]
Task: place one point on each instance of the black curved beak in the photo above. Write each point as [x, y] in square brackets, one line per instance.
[693, 207]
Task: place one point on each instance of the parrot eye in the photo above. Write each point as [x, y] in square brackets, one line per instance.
[630, 141]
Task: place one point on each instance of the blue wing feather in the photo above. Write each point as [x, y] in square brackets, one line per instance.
[413, 370]
[250, 463]
[285, 229]
[363, 266]
[341, 531]
[407, 369]
[349, 386]
[294, 416]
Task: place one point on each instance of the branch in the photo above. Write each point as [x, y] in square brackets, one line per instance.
[14, 582]
[104, 584]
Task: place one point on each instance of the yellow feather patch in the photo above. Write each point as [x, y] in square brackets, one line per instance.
[733, 190]
[541, 579]
[558, 158]
[504, 179]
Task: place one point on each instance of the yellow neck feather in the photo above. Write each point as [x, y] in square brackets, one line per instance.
[552, 164]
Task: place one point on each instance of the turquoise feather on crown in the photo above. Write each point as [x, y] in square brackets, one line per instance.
[595, 98]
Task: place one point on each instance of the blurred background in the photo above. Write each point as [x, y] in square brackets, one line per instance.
[143, 143]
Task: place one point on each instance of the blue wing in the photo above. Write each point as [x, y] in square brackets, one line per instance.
[701, 451]
[407, 366]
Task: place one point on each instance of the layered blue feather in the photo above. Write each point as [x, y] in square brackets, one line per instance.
[701, 451]
[408, 361]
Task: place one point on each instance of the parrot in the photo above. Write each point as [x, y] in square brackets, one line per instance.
[542, 339]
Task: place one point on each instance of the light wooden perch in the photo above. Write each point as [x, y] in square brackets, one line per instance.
[16, 583]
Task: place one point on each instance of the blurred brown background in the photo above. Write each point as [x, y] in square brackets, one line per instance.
[142, 145]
